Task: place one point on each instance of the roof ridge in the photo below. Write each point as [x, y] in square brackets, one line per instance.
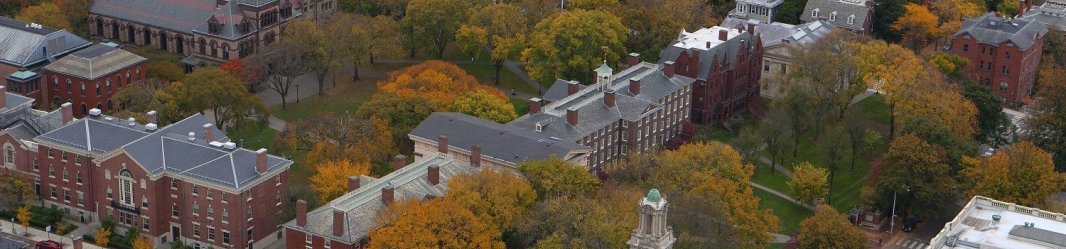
[236, 183]
[88, 138]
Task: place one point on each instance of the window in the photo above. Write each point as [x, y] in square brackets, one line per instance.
[765, 67]
[9, 155]
[126, 186]
[36, 165]
[51, 153]
[833, 16]
[65, 174]
[1008, 55]
[53, 191]
[77, 159]
[66, 195]
[208, 193]
[145, 224]
[108, 85]
[851, 19]
[55, 83]
[52, 170]
[965, 47]
[210, 233]
[194, 189]
[109, 193]
[81, 198]
[225, 237]
[213, 26]
[814, 13]
[1003, 86]
[195, 208]
[210, 212]
[196, 230]
[144, 202]
[82, 89]
[174, 183]
[98, 87]
[1004, 70]
[63, 155]
[70, 86]
[225, 215]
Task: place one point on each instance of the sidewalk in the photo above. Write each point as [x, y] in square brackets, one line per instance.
[777, 167]
[39, 235]
[782, 195]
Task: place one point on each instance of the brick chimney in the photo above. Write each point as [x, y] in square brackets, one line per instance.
[633, 59]
[571, 115]
[634, 85]
[571, 88]
[353, 183]
[153, 117]
[751, 28]
[433, 175]
[398, 162]
[708, 45]
[209, 134]
[301, 213]
[67, 110]
[608, 98]
[534, 105]
[3, 96]
[261, 161]
[723, 35]
[442, 144]
[338, 222]
[475, 155]
[387, 194]
[668, 69]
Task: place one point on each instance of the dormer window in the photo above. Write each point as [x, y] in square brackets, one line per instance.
[814, 13]
[538, 127]
[833, 16]
[213, 26]
[245, 26]
[851, 19]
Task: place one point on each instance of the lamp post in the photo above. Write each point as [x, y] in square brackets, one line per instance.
[892, 220]
[297, 93]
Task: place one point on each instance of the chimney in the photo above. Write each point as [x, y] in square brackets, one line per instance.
[434, 175]
[751, 28]
[152, 117]
[3, 96]
[634, 85]
[398, 162]
[261, 161]
[77, 241]
[475, 155]
[338, 222]
[353, 183]
[571, 88]
[301, 213]
[209, 134]
[723, 34]
[534, 105]
[668, 69]
[68, 113]
[608, 98]
[633, 59]
[442, 144]
[387, 194]
[708, 45]
[571, 115]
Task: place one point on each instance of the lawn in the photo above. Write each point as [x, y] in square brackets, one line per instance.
[344, 99]
[508, 80]
[521, 106]
[789, 214]
[252, 136]
[776, 181]
[875, 108]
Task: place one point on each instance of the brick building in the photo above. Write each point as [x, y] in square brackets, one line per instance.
[1003, 54]
[345, 222]
[206, 31]
[726, 64]
[184, 181]
[88, 78]
[637, 109]
[778, 42]
[26, 48]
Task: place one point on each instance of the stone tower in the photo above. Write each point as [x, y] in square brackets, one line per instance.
[652, 233]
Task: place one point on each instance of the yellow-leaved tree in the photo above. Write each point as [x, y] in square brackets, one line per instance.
[808, 182]
[1022, 174]
[438, 223]
[829, 229]
[484, 105]
[917, 25]
[23, 216]
[499, 199]
[331, 178]
[103, 236]
[142, 243]
[46, 14]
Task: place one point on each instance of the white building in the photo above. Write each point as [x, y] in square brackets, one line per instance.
[761, 10]
[988, 223]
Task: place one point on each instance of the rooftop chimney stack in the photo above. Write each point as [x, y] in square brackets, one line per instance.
[353, 183]
[442, 144]
[67, 111]
[3, 96]
[153, 118]
[608, 98]
[387, 194]
[338, 222]
[261, 161]
[209, 133]
[723, 34]
[751, 28]
[571, 115]
[301, 213]
[633, 59]
[708, 45]
[475, 155]
[398, 162]
[571, 88]
[434, 175]
[668, 69]
[534, 105]
[634, 85]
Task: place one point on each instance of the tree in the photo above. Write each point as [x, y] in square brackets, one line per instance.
[829, 229]
[331, 178]
[797, 115]
[827, 74]
[103, 236]
[238, 68]
[165, 70]
[435, 223]
[434, 22]
[385, 41]
[790, 11]
[808, 182]
[317, 42]
[77, 12]
[46, 14]
[15, 189]
[655, 23]
[935, 132]
[1007, 8]
[23, 216]
[855, 129]
[949, 64]
[497, 27]
[402, 114]
[569, 44]
[833, 149]
[1046, 124]
[176, 103]
[499, 199]
[748, 143]
[916, 25]
[774, 130]
[916, 171]
[142, 243]
[888, 11]
[472, 40]
[337, 137]
[554, 177]
[484, 105]
[278, 69]
[993, 125]
[224, 94]
[598, 223]
[1022, 174]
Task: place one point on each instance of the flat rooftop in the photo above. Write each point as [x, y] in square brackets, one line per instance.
[989, 223]
[705, 38]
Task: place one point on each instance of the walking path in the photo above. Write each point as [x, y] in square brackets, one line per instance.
[39, 235]
[782, 195]
[779, 168]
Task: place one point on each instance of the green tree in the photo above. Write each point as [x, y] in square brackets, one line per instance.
[402, 113]
[317, 41]
[484, 105]
[916, 171]
[809, 182]
[568, 45]
[993, 125]
[829, 229]
[554, 177]
[935, 132]
[748, 143]
[1022, 174]
[46, 14]
[472, 40]
[434, 22]
[775, 131]
[222, 93]
[594, 221]
[1007, 8]
[949, 64]
[498, 28]
[833, 148]
[1047, 121]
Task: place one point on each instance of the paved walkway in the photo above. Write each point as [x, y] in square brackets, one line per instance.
[862, 96]
[782, 195]
[777, 167]
[39, 235]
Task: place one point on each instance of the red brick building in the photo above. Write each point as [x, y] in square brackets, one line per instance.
[1003, 54]
[88, 78]
[726, 64]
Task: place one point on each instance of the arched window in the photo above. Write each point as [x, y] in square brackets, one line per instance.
[84, 110]
[147, 36]
[108, 86]
[9, 155]
[125, 180]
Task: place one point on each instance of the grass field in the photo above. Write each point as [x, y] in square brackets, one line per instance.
[521, 106]
[789, 214]
[345, 98]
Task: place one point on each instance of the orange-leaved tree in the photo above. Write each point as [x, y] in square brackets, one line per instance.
[829, 229]
[1022, 174]
[436, 223]
[331, 178]
[500, 199]
[917, 25]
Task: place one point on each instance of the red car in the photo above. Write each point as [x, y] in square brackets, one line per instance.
[48, 244]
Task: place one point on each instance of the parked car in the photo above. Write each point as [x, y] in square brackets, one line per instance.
[910, 223]
[48, 244]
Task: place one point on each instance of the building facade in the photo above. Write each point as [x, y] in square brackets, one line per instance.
[854, 15]
[760, 10]
[205, 31]
[986, 223]
[652, 232]
[778, 42]
[1003, 54]
[638, 109]
[27, 48]
[88, 78]
[726, 64]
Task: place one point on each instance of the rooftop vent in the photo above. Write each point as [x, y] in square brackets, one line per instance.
[215, 144]
[150, 127]
[94, 112]
[229, 145]
[192, 136]
[132, 122]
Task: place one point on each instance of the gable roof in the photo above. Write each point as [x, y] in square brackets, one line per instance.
[844, 9]
[773, 34]
[506, 143]
[992, 29]
[719, 50]
[25, 45]
[95, 61]
[1052, 14]
[175, 15]
[229, 17]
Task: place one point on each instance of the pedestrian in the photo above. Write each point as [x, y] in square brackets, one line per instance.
[879, 240]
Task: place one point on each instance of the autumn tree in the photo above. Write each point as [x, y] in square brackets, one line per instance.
[916, 171]
[798, 116]
[500, 28]
[435, 223]
[142, 243]
[238, 68]
[434, 22]
[278, 69]
[331, 178]
[568, 45]
[1022, 174]
[827, 74]
[339, 137]
[829, 229]
[103, 236]
[936, 133]
[316, 41]
[222, 93]
[654, 23]
[402, 114]
[855, 129]
[951, 65]
[594, 221]
[46, 14]
[917, 25]
[472, 40]
[554, 177]
[15, 189]
[808, 182]
[499, 199]
[748, 142]
[77, 12]
[1008, 8]
[1047, 121]
[385, 40]
[165, 70]
[484, 105]
[833, 149]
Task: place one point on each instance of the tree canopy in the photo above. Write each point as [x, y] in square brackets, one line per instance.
[568, 45]
[46, 14]
[500, 199]
[434, 22]
[1046, 125]
[438, 223]
[555, 177]
[331, 178]
[829, 229]
[808, 182]
[1022, 174]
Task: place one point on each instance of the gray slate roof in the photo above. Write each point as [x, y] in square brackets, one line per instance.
[25, 46]
[558, 90]
[177, 15]
[843, 8]
[504, 142]
[229, 17]
[1038, 234]
[1052, 14]
[773, 34]
[95, 61]
[991, 29]
[593, 114]
[726, 51]
[362, 205]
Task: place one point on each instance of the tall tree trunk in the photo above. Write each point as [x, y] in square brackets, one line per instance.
[283, 103]
[371, 58]
[499, 65]
[321, 81]
[355, 72]
[854, 154]
[891, 121]
[829, 194]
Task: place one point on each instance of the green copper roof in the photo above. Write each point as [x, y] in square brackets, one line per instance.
[604, 69]
[653, 195]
